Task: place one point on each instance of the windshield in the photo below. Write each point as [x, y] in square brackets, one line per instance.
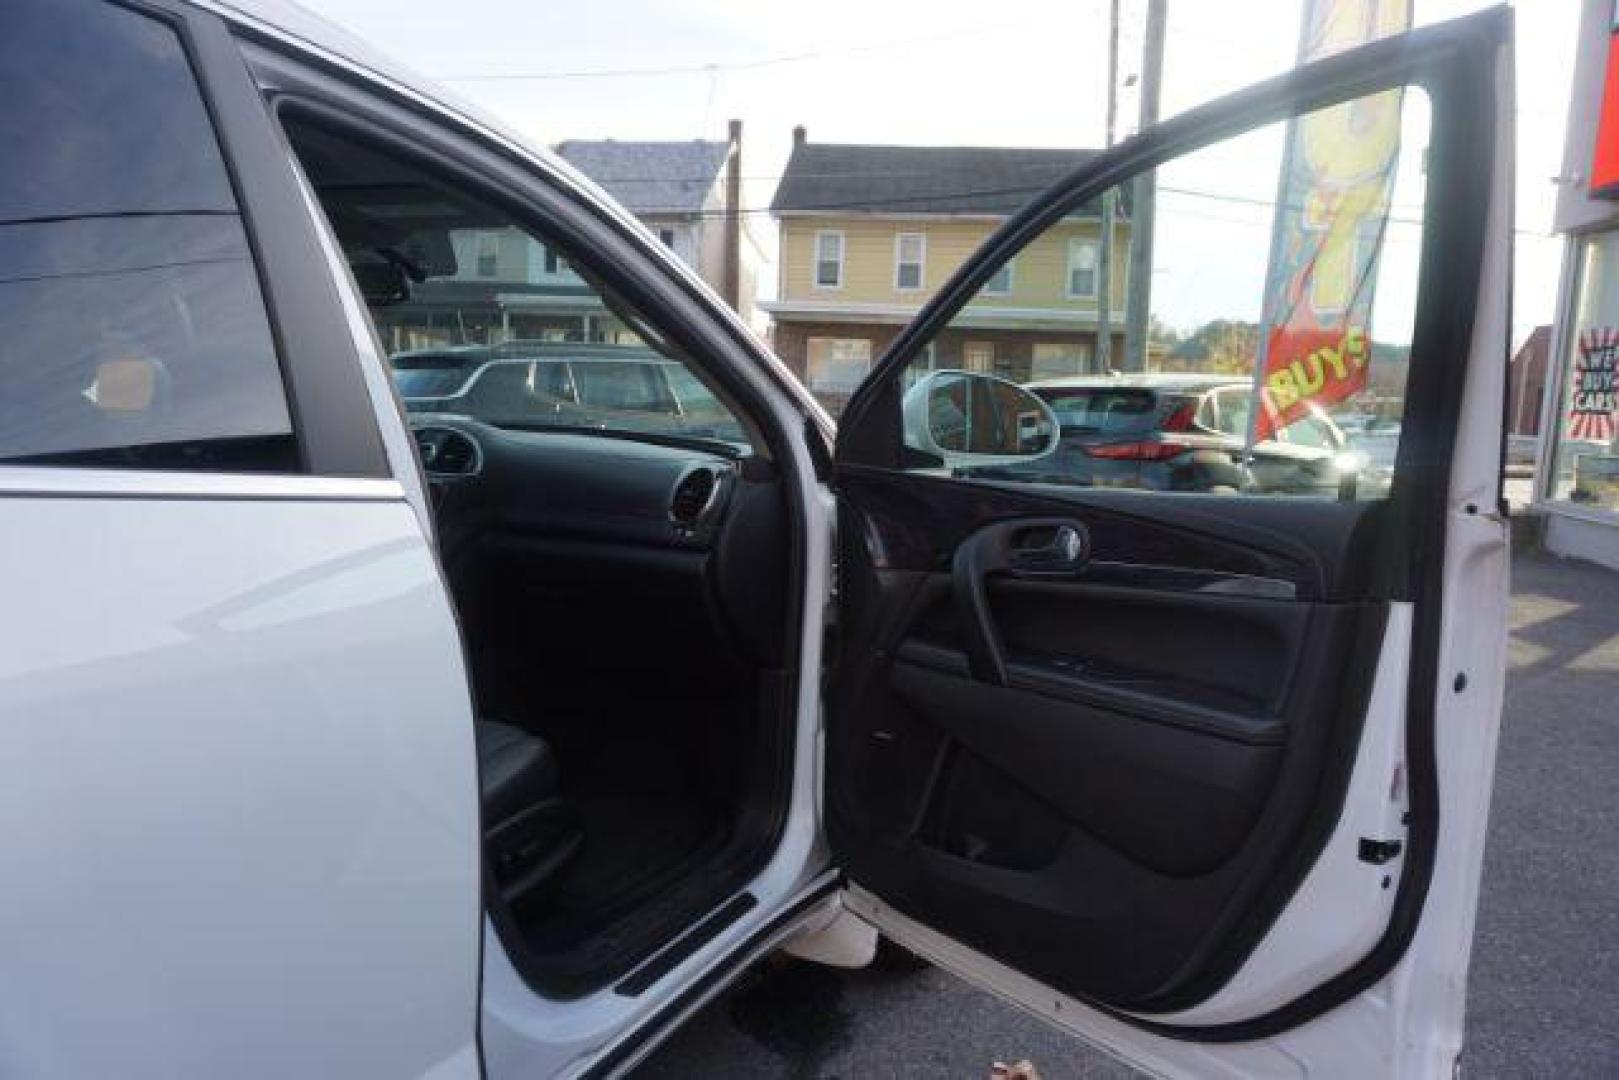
[629, 389]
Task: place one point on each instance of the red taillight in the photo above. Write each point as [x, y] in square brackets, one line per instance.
[1137, 451]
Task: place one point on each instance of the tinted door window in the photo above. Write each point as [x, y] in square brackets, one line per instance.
[611, 384]
[1280, 273]
[133, 334]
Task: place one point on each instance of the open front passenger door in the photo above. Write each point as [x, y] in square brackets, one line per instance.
[1165, 707]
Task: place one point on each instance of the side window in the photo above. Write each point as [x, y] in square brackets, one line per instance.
[1234, 414]
[135, 334]
[1314, 431]
[1234, 346]
[483, 318]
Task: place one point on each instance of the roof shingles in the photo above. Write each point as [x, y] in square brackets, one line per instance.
[650, 178]
[844, 178]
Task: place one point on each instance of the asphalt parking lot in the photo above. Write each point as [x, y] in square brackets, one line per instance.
[1544, 994]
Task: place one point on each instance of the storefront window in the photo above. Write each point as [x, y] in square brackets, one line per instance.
[1585, 461]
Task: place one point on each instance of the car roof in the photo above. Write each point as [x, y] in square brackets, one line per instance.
[297, 25]
[1179, 381]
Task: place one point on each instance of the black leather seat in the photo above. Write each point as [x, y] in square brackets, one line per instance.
[515, 769]
[529, 831]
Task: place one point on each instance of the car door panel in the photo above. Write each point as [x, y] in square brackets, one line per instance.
[1118, 791]
[1141, 807]
[240, 782]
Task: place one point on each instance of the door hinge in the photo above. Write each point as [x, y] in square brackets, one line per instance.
[1378, 852]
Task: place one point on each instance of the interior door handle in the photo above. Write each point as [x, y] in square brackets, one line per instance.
[1025, 547]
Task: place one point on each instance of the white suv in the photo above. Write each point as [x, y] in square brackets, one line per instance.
[317, 762]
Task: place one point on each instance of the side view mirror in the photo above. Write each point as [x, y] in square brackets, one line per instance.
[967, 418]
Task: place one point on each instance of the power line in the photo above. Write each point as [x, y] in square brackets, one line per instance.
[738, 65]
[880, 207]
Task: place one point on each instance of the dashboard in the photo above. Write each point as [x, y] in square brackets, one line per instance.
[637, 518]
[566, 483]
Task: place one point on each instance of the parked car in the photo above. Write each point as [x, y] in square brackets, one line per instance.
[558, 384]
[1172, 432]
[315, 761]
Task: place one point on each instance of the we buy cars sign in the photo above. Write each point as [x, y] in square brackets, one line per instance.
[1331, 209]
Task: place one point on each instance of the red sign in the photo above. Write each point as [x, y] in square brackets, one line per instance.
[1605, 162]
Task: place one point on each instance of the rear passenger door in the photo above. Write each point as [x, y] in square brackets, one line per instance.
[1202, 775]
[238, 806]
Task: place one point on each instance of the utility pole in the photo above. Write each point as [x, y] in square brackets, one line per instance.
[1104, 249]
[1144, 199]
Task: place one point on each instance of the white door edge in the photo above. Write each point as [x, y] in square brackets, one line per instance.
[1341, 909]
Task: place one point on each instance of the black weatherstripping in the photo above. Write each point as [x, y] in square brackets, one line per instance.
[899, 532]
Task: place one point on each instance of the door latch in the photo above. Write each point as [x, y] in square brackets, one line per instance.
[1378, 852]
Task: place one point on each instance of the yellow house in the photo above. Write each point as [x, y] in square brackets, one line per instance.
[869, 233]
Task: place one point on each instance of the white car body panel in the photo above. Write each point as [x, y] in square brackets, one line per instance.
[236, 786]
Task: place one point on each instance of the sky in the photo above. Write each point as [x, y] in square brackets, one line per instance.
[947, 72]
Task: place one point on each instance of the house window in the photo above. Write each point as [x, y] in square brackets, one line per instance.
[978, 355]
[1000, 283]
[829, 260]
[837, 365]
[910, 250]
[1081, 268]
[488, 254]
[554, 263]
[1053, 359]
[666, 236]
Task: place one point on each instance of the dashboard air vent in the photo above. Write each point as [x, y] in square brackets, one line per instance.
[446, 452]
[692, 496]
